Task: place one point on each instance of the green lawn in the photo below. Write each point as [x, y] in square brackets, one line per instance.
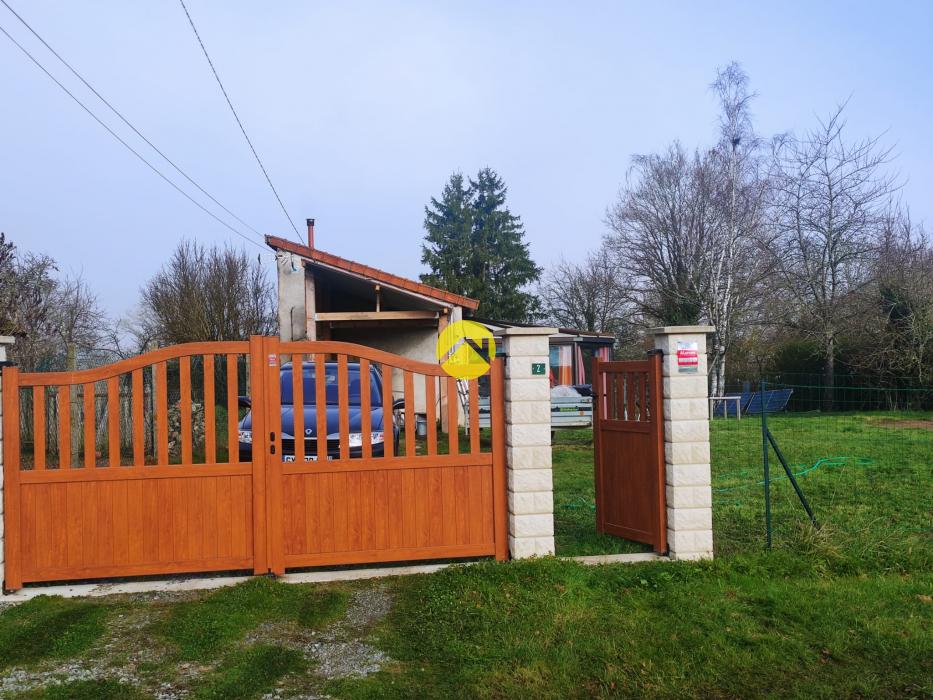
[868, 477]
[846, 611]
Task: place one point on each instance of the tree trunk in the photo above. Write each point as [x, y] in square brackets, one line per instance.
[829, 375]
[717, 374]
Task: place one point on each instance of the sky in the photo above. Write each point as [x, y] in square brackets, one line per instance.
[361, 111]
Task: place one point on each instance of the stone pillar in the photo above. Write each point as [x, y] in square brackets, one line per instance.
[686, 440]
[5, 341]
[528, 440]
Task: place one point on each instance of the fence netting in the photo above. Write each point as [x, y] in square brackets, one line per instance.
[863, 457]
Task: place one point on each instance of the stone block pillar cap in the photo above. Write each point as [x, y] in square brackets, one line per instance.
[681, 330]
[525, 330]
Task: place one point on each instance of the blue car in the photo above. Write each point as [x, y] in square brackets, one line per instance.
[309, 379]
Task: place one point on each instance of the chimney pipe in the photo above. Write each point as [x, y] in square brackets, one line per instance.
[310, 233]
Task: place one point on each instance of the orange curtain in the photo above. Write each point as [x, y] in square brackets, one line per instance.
[565, 364]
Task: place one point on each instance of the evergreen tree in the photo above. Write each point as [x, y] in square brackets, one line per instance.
[449, 224]
[475, 246]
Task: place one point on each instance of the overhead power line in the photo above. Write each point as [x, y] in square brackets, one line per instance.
[237, 117]
[125, 144]
[124, 119]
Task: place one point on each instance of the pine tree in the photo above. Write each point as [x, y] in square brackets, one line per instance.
[448, 223]
[475, 246]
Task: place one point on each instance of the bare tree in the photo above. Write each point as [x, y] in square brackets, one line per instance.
[207, 294]
[660, 227]
[78, 321]
[827, 211]
[894, 323]
[589, 296]
[27, 294]
[733, 267]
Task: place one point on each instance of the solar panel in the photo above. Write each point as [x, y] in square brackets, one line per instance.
[775, 401]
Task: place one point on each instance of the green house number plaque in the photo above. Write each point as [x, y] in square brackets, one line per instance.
[537, 368]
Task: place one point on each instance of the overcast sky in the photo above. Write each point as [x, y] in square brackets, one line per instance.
[361, 112]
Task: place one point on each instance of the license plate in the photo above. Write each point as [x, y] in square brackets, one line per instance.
[288, 459]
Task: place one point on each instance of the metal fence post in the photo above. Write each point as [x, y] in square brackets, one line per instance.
[764, 454]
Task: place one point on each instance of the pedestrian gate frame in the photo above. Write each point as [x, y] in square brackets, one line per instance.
[628, 437]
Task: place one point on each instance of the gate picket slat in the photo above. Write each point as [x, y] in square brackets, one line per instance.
[184, 407]
[233, 410]
[139, 431]
[298, 407]
[161, 392]
[410, 427]
[430, 404]
[210, 421]
[643, 388]
[113, 422]
[366, 417]
[64, 427]
[343, 406]
[38, 427]
[90, 426]
[453, 422]
[474, 416]
[631, 378]
[320, 405]
[388, 428]
[618, 394]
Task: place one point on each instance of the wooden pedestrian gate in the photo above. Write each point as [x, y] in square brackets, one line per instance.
[141, 468]
[628, 438]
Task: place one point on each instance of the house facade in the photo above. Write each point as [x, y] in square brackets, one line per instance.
[322, 296]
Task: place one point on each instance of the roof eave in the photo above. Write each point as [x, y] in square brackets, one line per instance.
[403, 284]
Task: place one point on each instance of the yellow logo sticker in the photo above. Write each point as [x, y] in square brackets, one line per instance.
[465, 349]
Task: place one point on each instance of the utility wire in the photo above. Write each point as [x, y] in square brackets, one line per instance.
[125, 144]
[125, 120]
[236, 116]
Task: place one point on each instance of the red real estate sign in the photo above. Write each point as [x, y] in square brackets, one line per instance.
[688, 357]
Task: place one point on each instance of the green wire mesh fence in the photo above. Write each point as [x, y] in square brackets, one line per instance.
[863, 457]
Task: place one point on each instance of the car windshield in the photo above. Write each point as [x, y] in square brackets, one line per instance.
[330, 382]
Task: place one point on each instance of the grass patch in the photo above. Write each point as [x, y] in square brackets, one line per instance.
[845, 611]
[202, 628]
[250, 673]
[48, 627]
[868, 477]
[753, 626]
[106, 689]
[575, 499]
[869, 484]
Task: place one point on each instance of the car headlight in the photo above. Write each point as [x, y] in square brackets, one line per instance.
[356, 439]
[246, 436]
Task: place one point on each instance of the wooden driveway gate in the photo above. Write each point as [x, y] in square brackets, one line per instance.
[138, 468]
[628, 437]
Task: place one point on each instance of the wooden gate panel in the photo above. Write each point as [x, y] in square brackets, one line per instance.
[413, 501]
[628, 432]
[123, 470]
[127, 527]
[387, 514]
[105, 484]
